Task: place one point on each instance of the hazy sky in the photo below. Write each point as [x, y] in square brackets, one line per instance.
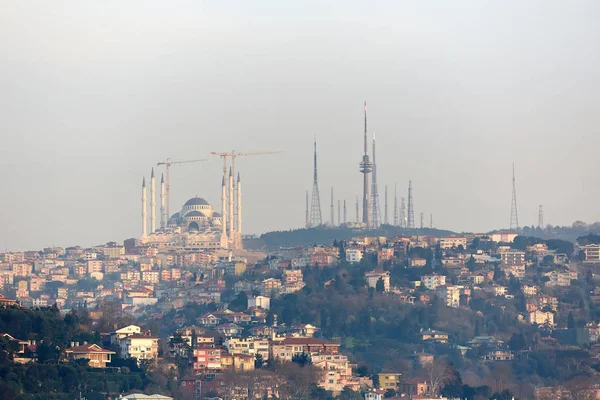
[93, 94]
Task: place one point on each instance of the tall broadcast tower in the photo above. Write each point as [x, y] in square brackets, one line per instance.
[375, 209]
[411, 209]
[541, 217]
[403, 212]
[315, 205]
[365, 169]
[514, 216]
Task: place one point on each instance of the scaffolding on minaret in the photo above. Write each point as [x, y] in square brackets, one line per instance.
[315, 205]
[514, 215]
[411, 209]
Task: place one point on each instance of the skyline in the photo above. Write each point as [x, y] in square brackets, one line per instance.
[456, 94]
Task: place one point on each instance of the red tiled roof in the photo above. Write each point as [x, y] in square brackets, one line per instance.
[308, 341]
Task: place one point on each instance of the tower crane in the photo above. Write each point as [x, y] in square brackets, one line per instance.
[234, 155]
[167, 163]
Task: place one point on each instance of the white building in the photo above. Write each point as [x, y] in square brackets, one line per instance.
[592, 253]
[449, 242]
[450, 294]
[251, 346]
[433, 281]
[374, 276]
[116, 336]
[354, 255]
[259, 302]
[140, 347]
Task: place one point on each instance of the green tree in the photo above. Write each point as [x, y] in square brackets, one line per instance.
[258, 361]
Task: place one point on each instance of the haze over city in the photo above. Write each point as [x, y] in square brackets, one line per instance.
[93, 95]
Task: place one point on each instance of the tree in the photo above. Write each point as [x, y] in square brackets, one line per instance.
[258, 361]
[438, 374]
[380, 286]
[240, 303]
[571, 321]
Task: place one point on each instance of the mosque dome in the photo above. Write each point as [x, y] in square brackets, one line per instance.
[195, 214]
[196, 201]
[216, 215]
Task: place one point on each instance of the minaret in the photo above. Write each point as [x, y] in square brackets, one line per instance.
[239, 209]
[231, 201]
[224, 207]
[152, 202]
[365, 169]
[162, 202]
[144, 215]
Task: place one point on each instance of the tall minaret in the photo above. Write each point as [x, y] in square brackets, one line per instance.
[144, 215]
[231, 201]
[224, 207]
[163, 224]
[239, 209]
[365, 169]
[152, 202]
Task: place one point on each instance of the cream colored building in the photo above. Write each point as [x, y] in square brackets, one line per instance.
[374, 276]
[449, 242]
[541, 318]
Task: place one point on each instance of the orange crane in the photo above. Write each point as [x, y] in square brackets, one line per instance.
[234, 155]
[167, 165]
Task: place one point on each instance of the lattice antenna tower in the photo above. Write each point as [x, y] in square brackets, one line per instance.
[316, 218]
[385, 208]
[422, 220]
[411, 209]
[396, 220]
[514, 215]
[403, 221]
[332, 221]
[541, 218]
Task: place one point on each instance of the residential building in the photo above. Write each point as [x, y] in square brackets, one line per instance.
[354, 255]
[373, 277]
[450, 294]
[251, 346]
[431, 335]
[259, 302]
[97, 356]
[431, 282]
[140, 347]
[207, 356]
[116, 336]
[503, 237]
[374, 394]
[592, 253]
[449, 242]
[541, 318]
[389, 380]
[417, 262]
[287, 348]
[512, 257]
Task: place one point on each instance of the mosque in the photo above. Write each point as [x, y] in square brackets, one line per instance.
[197, 226]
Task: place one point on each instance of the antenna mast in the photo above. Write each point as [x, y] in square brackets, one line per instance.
[315, 206]
[514, 216]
